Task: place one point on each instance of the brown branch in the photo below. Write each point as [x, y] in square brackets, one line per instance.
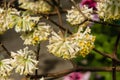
[78, 69]
[101, 53]
[5, 49]
[56, 24]
[37, 58]
[115, 55]
[107, 55]
[75, 5]
[104, 23]
[59, 16]
[113, 69]
[58, 12]
[53, 13]
[116, 45]
[83, 22]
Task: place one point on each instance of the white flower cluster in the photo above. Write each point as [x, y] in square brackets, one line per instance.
[6, 19]
[24, 61]
[109, 9]
[5, 69]
[22, 22]
[40, 33]
[79, 43]
[74, 17]
[39, 6]
[61, 46]
[25, 23]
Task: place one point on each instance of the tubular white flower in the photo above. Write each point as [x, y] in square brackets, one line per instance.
[74, 17]
[25, 23]
[6, 19]
[5, 69]
[24, 61]
[79, 43]
[40, 33]
[61, 46]
[38, 6]
[108, 9]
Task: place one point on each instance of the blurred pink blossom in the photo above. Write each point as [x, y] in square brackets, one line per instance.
[94, 18]
[89, 3]
[78, 76]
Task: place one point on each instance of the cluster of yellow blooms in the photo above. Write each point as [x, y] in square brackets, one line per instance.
[108, 9]
[85, 41]
[80, 43]
[39, 6]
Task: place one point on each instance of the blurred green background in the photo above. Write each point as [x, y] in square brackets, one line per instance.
[105, 40]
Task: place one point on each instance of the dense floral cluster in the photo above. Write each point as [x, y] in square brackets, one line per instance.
[61, 46]
[6, 19]
[24, 61]
[108, 9]
[84, 40]
[40, 33]
[25, 23]
[39, 6]
[5, 69]
[79, 43]
[74, 16]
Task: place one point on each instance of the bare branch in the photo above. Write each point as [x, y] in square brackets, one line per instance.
[5, 49]
[78, 69]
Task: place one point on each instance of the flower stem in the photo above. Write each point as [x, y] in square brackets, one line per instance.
[37, 58]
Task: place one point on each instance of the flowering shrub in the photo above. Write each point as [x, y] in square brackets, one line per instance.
[27, 18]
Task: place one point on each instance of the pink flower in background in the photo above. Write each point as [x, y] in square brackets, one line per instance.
[94, 18]
[89, 3]
[78, 76]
